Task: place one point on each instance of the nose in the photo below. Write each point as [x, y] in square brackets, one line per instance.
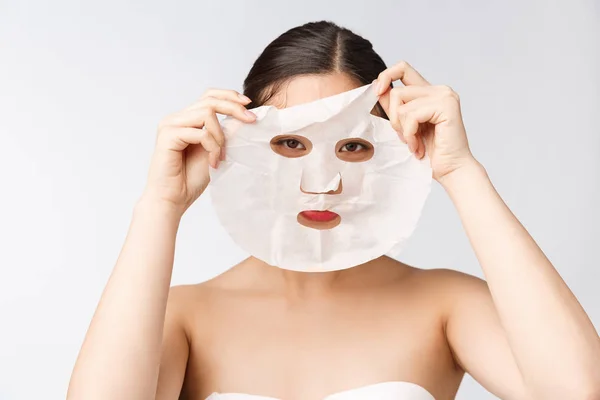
[321, 184]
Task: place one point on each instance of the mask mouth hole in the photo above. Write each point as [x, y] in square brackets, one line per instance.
[319, 219]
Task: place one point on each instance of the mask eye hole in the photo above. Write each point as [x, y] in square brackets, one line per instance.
[291, 146]
[354, 150]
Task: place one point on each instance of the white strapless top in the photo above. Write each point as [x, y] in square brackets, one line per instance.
[377, 391]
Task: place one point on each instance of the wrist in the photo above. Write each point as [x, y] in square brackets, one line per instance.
[469, 173]
[156, 207]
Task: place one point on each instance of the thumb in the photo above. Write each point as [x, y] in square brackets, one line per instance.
[384, 99]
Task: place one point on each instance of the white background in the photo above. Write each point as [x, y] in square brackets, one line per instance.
[84, 84]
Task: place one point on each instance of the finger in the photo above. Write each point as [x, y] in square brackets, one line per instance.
[208, 142]
[194, 154]
[404, 94]
[211, 124]
[410, 127]
[225, 94]
[420, 152]
[390, 105]
[230, 108]
[384, 100]
[399, 96]
[178, 139]
[222, 94]
[411, 115]
[213, 127]
[401, 71]
[196, 117]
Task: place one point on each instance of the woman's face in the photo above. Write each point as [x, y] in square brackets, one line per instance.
[305, 89]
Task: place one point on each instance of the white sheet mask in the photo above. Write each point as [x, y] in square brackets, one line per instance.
[258, 193]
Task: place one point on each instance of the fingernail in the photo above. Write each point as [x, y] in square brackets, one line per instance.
[244, 98]
[250, 114]
[411, 147]
[222, 157]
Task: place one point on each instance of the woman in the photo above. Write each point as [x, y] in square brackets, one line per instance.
[378, 330]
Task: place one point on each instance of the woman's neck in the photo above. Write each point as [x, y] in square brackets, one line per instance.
[317, 284]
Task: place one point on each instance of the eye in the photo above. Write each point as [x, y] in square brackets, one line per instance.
[354, 150]
[352, 147]
[291, 146]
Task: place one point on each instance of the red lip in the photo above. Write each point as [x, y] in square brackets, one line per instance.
[319, 216]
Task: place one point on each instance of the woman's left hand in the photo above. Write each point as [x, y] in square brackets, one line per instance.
[426, 117]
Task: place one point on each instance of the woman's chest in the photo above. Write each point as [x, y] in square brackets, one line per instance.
[311, 350]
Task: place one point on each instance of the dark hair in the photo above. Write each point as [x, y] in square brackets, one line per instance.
[310, 49]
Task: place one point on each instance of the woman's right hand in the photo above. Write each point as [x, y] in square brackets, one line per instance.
[188, 142]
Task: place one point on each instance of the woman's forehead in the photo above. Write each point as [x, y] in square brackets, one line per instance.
[306, 88]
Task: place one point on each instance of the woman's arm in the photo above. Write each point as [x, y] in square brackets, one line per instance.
[530, 338]
[554, 344]
[120, 355]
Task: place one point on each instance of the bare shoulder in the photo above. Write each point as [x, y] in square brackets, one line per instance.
[449, 284]
[183, 298]
[198, 299]
[180, 293]
[448, 278]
